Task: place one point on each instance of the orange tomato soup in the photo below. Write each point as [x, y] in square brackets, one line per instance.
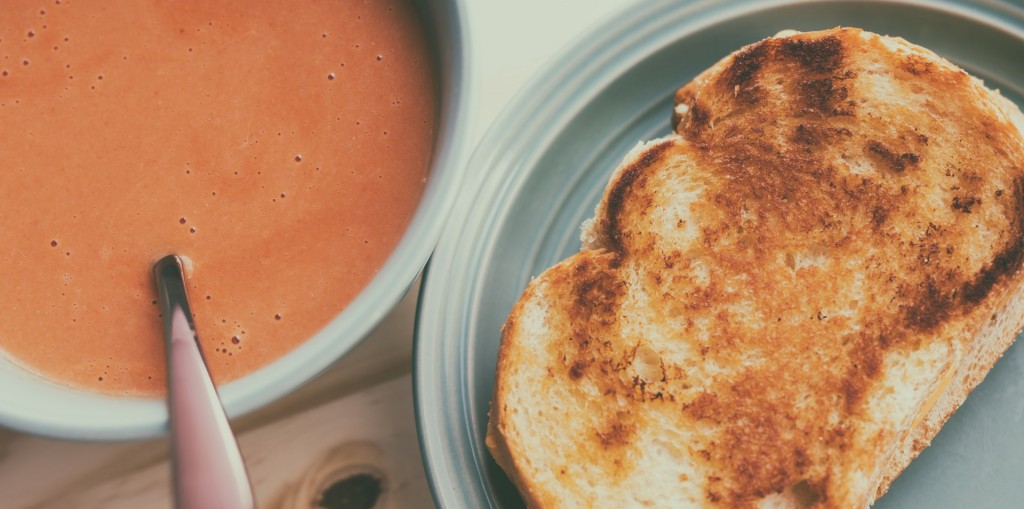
[281, 146]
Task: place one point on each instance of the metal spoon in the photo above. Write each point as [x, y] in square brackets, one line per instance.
[207, 468]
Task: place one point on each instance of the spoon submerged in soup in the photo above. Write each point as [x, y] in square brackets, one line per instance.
[207, 466]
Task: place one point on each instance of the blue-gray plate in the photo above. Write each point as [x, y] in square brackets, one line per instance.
[540, 171]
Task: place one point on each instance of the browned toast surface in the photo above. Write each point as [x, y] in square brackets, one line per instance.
[770, 302]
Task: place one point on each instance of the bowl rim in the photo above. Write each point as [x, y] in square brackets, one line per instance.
[114, 418]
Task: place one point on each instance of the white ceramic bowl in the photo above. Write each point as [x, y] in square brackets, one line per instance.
[33, 404]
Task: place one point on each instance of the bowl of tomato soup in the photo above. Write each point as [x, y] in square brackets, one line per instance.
[303, 162]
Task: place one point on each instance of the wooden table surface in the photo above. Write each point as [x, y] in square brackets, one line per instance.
[355, 418]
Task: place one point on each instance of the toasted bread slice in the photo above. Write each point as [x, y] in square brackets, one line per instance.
[781, 303]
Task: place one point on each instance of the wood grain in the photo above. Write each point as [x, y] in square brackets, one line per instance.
[362, 404]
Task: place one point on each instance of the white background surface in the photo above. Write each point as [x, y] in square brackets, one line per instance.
[510, 40]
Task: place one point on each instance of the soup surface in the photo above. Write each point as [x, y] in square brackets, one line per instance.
[282, 147]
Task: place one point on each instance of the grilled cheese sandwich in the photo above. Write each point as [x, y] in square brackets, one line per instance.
[779, 304]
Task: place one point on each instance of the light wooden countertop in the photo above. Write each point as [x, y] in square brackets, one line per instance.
[358, 415]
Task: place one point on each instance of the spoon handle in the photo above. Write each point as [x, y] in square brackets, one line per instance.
[207, 466]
